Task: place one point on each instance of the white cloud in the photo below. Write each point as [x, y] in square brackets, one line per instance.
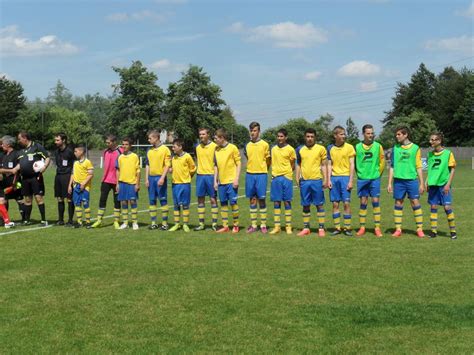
[368, 86]
[312, 75]
[359, 68]
[283, 34]
[13, 44]
[165, 65]
[469, 12]
[454, 44]
[144, 15]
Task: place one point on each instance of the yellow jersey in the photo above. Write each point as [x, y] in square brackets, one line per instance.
[339, 157]
[183, 168]
[257, 154]
[282, 160]
[311, 160]
[205, 158]
[157, 159]
[80, 171]
[128, 166]
[226, 159]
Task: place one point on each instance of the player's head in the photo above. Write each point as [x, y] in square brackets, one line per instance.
[402, 134]
[339, 134]
[436, 139]
[111, 141]
[282, 136]
[178, 146]
[310, 137]
[221, 137]
[368, 133]
[126, 144]
[154, 136]
[204, 135]
[254, 130]
[80, 151]
[60, 139]
[24, 138]
[8, 143]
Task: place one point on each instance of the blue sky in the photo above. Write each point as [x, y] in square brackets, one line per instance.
[274, 60]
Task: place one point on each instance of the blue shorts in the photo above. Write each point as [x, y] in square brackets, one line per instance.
[227, 193]
[339, 189]
[181, 194]
[156, 192]
[367, 188]
[256, 185]
[78, 196]
[311, 192]
[205, 186]
[281, 189]
[402, 187]
[127, 192]
[436, 196]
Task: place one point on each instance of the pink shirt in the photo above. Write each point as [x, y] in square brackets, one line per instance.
[110, 159]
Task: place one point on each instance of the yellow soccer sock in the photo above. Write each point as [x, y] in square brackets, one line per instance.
[214, 213]
[153, 213]
[235, 214]
[321, 217]
[277, 216]
[398, 216]
[253, 215]
[362, 214]
[337, 220]
[79, 214]
[225, 215]
[451, 221]
[434, 219]
[418, 212]
[201, 212]
[185, 214]
[377, 214]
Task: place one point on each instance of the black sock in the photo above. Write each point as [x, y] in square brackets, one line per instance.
[21, 208]
[61, 208]
[42, 211]
[27, 212]
[70, 209]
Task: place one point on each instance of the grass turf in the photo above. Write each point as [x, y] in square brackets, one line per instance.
[77, 290]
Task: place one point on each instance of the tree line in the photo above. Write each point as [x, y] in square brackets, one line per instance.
[427, 103]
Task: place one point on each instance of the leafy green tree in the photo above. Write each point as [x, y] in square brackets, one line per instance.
[295, 127]
[464, 117]
[352, 132]
[138, 104]
[420, 123]
[60, 96]
[239, 134]
[12, 102]
[193, 102]
[98, 108]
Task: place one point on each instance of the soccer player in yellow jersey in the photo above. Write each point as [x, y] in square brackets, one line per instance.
[80, 185]
[182, 170]
[205, 178]
[158, 162]
[257, 152]
[311, 178]
[128, 177]
[341, 174]
[283, 158]
[226, 179]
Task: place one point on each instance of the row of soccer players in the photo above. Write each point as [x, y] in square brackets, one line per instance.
[218, 170]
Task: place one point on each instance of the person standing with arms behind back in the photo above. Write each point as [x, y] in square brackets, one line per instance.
[64, 159]
[370, 163]
[109, 181]
[405, 177]
[441, 166]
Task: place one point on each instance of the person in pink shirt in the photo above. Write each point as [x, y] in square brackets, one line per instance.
[109, 181]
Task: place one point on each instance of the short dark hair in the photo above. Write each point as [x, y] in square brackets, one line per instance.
[222, 132]
[403, 129]
[337, 129]
[254, 124]
[439, 135]
[62, 136]
[81, 147]
[208, 131]
[367, 126]
[128, 140]
[310, 130]
[283, 131]
[25, 134]
[178, 141]
[154, 132]
[111, 137]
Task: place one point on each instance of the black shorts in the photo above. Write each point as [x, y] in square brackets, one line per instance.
[61, 185]
[32, 186]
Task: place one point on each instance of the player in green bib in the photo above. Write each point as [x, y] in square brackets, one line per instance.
[406, 178]
[441, 166]
[370, 162]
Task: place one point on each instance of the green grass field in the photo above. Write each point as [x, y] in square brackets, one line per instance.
[96, 291]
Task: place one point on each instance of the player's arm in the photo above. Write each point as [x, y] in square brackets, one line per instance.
[192, 166]
[390, 180]
[138, 172]
[90, 174]
[328, 167]
[382, 160]
[419, 171]
[268, 156]
[166, 169]
[71, 181]
[325, 173]
[235, 184]
[216, 181]
[452, 168]
[117, 174]
[351, 173]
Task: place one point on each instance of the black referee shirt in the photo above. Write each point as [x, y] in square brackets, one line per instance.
[9, 161]
[28, 156]
[64, 160]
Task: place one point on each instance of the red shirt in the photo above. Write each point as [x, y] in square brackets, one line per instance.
[110, 159]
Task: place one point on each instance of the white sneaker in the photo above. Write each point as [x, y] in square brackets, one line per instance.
[123, 226]
[135, 226]
[9, 225]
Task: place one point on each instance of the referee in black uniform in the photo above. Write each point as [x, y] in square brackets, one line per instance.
[32, 182]
[64, 159]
